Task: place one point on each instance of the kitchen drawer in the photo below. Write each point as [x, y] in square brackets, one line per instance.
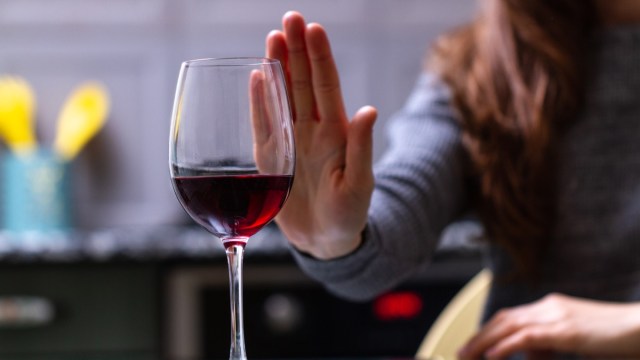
[99, 310]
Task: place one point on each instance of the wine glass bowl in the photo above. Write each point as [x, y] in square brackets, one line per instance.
[232, 155]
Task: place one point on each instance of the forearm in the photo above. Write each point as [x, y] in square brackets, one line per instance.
[625, 337]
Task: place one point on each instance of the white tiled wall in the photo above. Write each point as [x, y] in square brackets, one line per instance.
[136, 46]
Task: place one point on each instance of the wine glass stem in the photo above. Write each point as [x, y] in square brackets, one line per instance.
[234, 259]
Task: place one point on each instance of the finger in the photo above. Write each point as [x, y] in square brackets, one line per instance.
[261, 124]
[360, 148]
[530, 338]
[504, 323]
[276, 46]
[299, 70]
[325, 80]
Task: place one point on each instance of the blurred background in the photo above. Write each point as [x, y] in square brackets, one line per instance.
[132, 278]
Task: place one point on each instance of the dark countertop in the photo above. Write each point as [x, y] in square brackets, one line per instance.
[456, 256]
[156, 243]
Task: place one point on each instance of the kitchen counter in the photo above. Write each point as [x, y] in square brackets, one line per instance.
[126, 291]
[137, 244]
[191, 243]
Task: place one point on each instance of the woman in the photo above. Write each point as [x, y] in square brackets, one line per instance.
[528, 115]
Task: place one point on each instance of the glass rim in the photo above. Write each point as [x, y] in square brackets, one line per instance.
[230, 61]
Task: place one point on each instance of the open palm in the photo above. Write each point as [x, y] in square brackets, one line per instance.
[327, 209]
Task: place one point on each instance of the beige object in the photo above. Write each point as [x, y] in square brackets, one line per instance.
[458, 321]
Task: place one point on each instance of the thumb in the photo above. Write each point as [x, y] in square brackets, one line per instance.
[358, 169]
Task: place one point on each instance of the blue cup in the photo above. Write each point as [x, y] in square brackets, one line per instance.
[35, 192]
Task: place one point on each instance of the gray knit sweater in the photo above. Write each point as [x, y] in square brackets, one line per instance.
[595, 252]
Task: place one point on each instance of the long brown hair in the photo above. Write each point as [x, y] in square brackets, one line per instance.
[517, 74]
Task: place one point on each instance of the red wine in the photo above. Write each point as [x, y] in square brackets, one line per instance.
[233, 206]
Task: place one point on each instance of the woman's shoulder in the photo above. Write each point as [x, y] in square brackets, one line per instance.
[430, 96]
[433, 83]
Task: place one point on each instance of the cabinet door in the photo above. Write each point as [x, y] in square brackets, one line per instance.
[98, 310]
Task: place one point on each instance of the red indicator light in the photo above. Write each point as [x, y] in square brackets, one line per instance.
[397, 305]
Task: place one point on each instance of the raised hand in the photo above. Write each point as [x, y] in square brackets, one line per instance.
[563, 324]
[327, 209]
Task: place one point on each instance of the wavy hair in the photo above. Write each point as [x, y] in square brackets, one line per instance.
[517, 73]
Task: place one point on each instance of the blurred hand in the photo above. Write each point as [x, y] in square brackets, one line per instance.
[263, 120]
[563, 324]
[327, 209]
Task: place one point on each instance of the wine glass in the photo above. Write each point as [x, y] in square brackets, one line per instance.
[232, 156]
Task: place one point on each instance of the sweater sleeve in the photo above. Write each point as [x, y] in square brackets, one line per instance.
[419, 190]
